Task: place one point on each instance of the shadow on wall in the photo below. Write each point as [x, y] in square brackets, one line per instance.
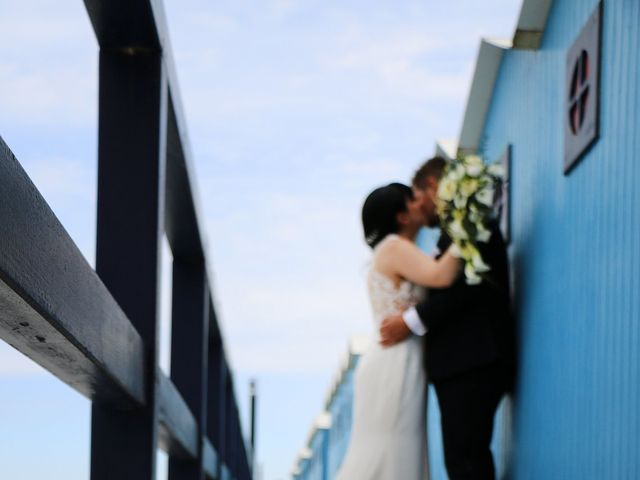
[505, 433]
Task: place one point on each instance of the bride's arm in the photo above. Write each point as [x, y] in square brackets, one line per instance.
[409, 262]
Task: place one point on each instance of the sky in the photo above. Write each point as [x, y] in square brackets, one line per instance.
[296, 109]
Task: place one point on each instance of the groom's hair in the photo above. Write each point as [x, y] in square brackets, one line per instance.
[434, 167]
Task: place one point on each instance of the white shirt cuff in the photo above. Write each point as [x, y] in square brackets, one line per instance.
[413, 321]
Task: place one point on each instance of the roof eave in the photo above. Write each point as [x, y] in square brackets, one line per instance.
[446, 148]
[484, 78]
[531, 24]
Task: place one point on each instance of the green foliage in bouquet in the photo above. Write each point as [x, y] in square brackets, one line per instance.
[465, 206]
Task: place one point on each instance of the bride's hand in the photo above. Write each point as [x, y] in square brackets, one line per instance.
[393, 330]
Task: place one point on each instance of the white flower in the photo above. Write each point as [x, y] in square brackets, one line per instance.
[457, 231]
[472, 277]
[453, 175]
[459, 172]
[459, 201]
[447, 189]
[474, 165]
[468, 251]
[469, 187]
[474, 171]
[474, 215]
[483, 234]
[473, 160]
[458, 214]
[485, 196]
[478, 263]
[455, 250]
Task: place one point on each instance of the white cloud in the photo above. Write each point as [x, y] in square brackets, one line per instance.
[211, 22]
[51, 96]
[282, 8]
[396, 60]
[49, 69]
[280, 328]
[384, 168]
[292, 284]
[339, 64]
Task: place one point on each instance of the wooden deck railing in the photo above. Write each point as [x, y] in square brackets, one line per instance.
[98, 331]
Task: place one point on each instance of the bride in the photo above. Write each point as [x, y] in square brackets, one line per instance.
[388, 436]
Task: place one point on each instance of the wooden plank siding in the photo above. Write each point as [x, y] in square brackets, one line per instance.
[575, 253]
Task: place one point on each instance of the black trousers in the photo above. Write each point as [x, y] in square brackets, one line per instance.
[468, 403]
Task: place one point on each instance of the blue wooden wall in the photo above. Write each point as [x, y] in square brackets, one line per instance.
[575, 253]
[341, 410]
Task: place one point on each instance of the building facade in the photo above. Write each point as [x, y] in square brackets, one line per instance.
[575, 247]
[559, 105]
[327, 441]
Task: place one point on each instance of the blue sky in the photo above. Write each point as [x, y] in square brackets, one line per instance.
[296, 109]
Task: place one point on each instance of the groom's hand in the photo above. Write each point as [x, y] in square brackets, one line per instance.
[393, 330]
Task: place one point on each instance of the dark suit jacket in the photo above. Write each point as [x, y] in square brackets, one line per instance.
[470, 326]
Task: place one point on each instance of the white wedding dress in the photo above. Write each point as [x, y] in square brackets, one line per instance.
[388, 436]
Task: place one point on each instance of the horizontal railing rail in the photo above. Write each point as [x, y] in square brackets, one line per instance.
[54, 308]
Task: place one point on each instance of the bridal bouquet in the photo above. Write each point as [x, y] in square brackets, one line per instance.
[465, 206]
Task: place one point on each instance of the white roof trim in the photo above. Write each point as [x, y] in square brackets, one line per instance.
[322, 422]
[305, 454]
[484, 79]
[446, 148]
[531, 24]
[357, 346]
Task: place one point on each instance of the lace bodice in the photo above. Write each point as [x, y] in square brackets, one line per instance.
[387, 298]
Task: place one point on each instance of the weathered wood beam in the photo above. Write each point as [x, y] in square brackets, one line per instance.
[210, 460]
[179, 434]
[53, 306]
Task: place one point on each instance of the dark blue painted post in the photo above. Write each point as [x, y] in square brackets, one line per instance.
[189, 352]
[247, 458]
[131, 163]
[239, 457]
[216, 386]
[232, 440]
[240, 447]
[250, 465]
[230, 430]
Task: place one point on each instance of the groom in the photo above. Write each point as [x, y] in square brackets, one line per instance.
[469, 344]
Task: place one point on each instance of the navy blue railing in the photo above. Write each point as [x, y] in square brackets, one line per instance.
[98, 331]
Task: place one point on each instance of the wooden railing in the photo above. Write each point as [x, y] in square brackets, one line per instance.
[98, 331]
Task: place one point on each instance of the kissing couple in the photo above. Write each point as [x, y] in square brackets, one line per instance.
[434, 326]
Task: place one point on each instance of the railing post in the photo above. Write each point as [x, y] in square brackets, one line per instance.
[131, 165]
[231, 449]
[189, 353]
[217, 395]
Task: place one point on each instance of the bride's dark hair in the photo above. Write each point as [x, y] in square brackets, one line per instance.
[380, 211]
